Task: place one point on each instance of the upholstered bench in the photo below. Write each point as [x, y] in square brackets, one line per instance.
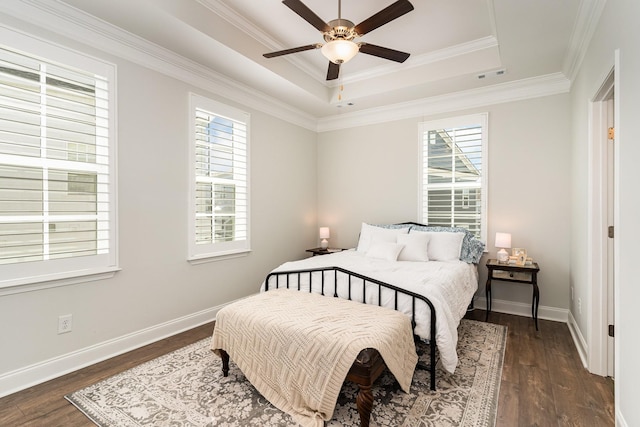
[297, 349]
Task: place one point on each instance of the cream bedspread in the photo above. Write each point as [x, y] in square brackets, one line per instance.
[296, 348]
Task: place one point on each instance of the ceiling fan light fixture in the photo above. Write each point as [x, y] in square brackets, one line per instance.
[340, 51]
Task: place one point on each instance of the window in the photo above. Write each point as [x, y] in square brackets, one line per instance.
[453, 173]
[219, 214]
[57, 192]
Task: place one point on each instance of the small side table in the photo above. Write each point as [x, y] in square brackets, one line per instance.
[515, 274]
[320, 251]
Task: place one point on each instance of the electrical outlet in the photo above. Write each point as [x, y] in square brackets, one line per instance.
[65, 322]
[579, 306]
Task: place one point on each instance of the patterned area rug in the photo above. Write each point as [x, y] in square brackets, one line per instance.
[186, 388]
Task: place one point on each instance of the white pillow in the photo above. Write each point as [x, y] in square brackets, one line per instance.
[370, 232]
[415, 247]
[384, 250]
[444, 245]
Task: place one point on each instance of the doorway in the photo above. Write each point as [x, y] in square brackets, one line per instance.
[602, 228]
[610, 215]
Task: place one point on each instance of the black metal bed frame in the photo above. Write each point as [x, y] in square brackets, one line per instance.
[365, 280]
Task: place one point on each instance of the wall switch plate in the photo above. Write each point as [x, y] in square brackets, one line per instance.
[65, 322]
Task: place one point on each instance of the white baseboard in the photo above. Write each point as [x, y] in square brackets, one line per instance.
[620, 421]
[523, 309]
[38, 373]
[579, 341]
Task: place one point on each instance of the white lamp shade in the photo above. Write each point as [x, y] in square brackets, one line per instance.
[503, 240]
[325, 233]
[340, 51]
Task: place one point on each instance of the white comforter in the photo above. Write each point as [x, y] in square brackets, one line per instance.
[448, 285]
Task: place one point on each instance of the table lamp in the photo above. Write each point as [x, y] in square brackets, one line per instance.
[503, 240]
[324, 235]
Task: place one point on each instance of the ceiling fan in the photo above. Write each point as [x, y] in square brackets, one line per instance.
[339, 35]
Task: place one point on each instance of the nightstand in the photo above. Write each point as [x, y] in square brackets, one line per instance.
[320, 251]
[514, 274]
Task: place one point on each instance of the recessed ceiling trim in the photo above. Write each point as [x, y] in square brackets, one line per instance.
[453, 51]
[243, 24]
[69, 22]
[424, 59]
[551, 84]
[246, 26]
[74, 24]
[237, 20]
[583, 29]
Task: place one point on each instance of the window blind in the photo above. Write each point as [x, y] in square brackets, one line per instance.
[220, 195]
[453, 174]
[54, 161]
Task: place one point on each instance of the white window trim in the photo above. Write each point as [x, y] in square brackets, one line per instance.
[198, 254]
[459, 121]
[82, 269]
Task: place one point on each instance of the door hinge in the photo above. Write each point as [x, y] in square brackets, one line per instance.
[611, 331]
[610, 231]
[611, 133]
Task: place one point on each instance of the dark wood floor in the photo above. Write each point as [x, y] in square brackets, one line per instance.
[543, 381]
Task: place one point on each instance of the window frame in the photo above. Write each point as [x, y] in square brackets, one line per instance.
[66, 271]
[214, 251]
[481, 119]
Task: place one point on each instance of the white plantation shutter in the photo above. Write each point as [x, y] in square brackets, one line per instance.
[219, 189]
[453, 173]
[56, 183]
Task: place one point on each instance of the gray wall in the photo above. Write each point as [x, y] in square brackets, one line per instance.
[157, 286]
[370, 174]
[617, 29]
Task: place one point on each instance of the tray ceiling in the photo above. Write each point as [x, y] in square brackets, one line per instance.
[451, 42]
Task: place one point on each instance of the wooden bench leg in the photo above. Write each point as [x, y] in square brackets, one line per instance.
[364, 403]
[225, 362]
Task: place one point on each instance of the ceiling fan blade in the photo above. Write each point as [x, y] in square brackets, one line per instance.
[385, 16]
[333, 71]
[307, 14]
[292, 50]
[383, 52]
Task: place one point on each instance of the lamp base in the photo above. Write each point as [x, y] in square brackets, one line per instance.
[324, 244]
[503, 256]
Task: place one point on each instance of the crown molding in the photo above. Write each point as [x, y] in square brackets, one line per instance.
[69, 22]
[66, 21]
[247, 27]
[416, 61]
[586, 23]
[551, 84]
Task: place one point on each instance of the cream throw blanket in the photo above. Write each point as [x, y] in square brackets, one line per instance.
[296, 348]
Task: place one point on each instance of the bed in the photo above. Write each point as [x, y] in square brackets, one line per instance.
[427, 272]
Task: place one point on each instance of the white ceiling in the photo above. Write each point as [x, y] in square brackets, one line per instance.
[450, 42]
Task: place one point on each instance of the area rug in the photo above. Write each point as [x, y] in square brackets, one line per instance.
[186, 388]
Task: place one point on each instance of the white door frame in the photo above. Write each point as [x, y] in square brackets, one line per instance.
[597, 240]
[611, 221]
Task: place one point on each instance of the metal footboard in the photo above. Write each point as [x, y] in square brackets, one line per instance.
[292, 279]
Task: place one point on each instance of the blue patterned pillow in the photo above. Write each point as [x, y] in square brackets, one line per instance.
[472, 248]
